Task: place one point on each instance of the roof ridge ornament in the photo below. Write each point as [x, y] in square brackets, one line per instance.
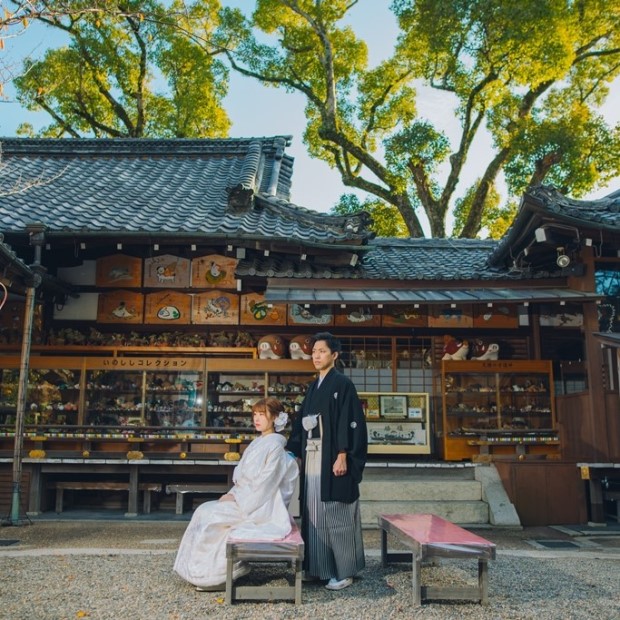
[240, 198]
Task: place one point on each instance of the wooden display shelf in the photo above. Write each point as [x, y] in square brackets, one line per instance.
[116, 350]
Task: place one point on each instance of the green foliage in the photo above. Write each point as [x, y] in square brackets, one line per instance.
[530, 72]
[386, 220]
[145, 71]
[496, 219]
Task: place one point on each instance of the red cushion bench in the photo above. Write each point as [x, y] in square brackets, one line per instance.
[289, 549]
[430, 537]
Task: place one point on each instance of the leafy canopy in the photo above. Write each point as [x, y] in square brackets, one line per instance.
[530, 72]
[145, 69]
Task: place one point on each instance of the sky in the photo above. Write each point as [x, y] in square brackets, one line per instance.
[257, 110]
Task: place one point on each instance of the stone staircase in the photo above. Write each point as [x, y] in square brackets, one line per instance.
[464, 493]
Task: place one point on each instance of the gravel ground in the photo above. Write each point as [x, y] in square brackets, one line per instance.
[118, 571]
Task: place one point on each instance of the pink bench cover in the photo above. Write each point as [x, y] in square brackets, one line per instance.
[435, 535]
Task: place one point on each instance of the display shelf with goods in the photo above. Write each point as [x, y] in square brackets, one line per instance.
[397, 422]
[174, 399]
[290, 389]
[230, 397]
[53, 393]
[87, 444]
[498, 409]
[144, 391]
[114, 398]
[232, 388]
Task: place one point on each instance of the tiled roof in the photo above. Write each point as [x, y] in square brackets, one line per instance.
[390, 258]
[233, 188]
[544, 203]
[601, 213]
[10, 263]
[429, 259]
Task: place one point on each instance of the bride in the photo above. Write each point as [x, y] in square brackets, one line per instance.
[256, 507]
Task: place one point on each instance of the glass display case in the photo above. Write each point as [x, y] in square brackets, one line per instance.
[53, 395]
[114, 398]
[498, 409]
[397, 422]
[289, 389]
[144, 391]
[231, 394]
[230, 397]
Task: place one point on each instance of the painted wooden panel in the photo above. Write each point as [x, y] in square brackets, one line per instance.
[499, 315]
[404, 316]
[552, 315]
[120, 307]
[358, 316]
[119, 271]
[446, 316]
[166, 271]
[298, 314]
[168, 308]
[214, 271]
[216, 307]
[256, 311]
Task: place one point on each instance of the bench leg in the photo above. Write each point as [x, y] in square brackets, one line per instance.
[59, 499]
[229, 581]
[483, 581]
[384, 560]
[132, 503]
[297, 566]
[179, 503]
[146, 507]
[416, 580]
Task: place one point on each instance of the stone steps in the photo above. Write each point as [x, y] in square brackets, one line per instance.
[457, 492]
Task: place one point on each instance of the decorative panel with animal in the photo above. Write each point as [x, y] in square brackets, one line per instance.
[498, 315]
[446, 316]
[120, 307]
[298, 314]
[256, 311]
[561, 316]
[166, 271]
[216, 307]
[366, 316]
[214, 271]
[119, 271]
[167, 307]
[404, 316]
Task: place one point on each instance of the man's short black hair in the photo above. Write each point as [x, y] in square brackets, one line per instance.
[333, 344]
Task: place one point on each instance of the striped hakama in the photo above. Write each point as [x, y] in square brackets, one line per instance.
[333, 532]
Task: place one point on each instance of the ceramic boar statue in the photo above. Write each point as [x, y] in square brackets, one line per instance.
[455, 348]
[271, 347]
[300, 348]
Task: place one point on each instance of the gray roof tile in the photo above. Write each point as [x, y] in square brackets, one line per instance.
[542, 203]
[174, 186]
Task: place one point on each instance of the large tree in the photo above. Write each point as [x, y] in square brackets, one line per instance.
[532, 72]
[133, 68]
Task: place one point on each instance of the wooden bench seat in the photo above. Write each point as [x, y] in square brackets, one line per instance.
[182, 490]
[93, 485]
[430, 537]
[289, 550]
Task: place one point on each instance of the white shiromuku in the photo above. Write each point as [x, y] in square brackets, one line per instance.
[264, 482]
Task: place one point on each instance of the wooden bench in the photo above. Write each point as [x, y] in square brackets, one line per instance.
[430, 537]
[182, 490]
[62, 486]
[289, 549]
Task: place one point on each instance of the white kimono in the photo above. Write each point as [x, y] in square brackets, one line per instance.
[264, 482]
